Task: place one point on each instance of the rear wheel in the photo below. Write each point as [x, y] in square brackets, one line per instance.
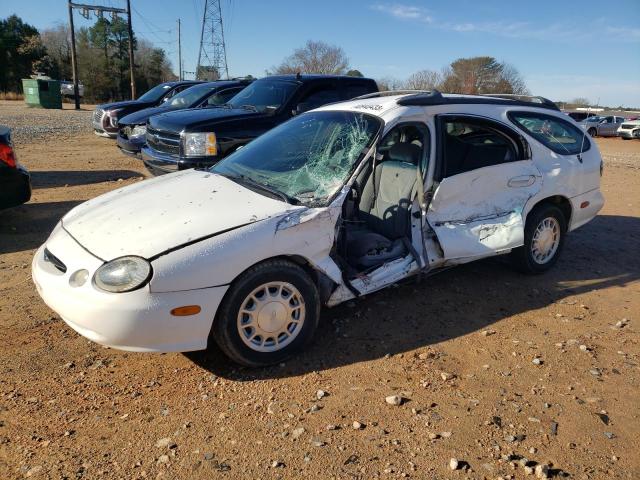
[269, 313]
[593, 132]
[543, 240]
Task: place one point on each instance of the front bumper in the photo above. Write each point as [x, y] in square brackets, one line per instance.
[629, 133]
[130, 146]
[159, 163]
[136, 321]
[15, 187]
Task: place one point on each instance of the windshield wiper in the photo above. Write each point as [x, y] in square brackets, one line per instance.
[224, 105]
[253, 108]
[250, 182]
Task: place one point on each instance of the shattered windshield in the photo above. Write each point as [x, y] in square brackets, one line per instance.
[264, 94]
[307, 159]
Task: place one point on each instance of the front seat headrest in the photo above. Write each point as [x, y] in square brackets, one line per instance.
[405, 152]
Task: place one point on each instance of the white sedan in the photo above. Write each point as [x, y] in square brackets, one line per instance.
[331, 205]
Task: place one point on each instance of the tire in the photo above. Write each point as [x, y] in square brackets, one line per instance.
[593, 132]
[287, 311]
[524, 258]
[625, 138]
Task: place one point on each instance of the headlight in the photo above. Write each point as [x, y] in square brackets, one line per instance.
[113, 117]
[199, 144]
[123, 274]
[138, 131]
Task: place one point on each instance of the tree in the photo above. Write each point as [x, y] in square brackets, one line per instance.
[57, 42]
[423, 80]
[580, 102]
[315, 57]
[207, 73]
[354, 73]
[18, 52]
[478, 75]
[386, 84]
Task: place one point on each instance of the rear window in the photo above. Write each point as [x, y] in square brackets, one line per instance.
[555, 133]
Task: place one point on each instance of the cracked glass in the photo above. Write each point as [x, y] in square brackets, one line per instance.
[307, 159]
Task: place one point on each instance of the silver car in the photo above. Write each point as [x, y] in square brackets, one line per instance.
[602, 126]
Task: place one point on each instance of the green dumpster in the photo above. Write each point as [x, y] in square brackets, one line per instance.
[42, 93]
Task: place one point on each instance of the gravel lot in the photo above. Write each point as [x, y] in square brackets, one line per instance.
[496, 373]
[34, 125]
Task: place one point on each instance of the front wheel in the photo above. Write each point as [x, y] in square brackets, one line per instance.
[544, 235]
[593, 132]
[269, 313]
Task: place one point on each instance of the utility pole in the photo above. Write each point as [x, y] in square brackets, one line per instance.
[131, 62]
[179, 54]
[99, 10]
[212, 57]
[74, 60]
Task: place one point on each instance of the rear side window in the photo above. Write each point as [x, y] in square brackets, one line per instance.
[554, 133]
[469, 143]
[223, 96]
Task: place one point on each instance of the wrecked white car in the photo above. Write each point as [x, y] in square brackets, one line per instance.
[336, 203]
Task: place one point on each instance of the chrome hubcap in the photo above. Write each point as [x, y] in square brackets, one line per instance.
[271, 317]
[546, 240]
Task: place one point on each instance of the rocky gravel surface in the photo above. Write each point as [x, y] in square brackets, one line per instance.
[35, 125]
[476, 373]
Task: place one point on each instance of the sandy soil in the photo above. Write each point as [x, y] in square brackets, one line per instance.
[458, 347]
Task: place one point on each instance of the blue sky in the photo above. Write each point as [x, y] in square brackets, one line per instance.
[564, 49]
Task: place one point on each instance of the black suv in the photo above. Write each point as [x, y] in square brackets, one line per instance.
[133, 127]
[105, 117]
[200, 137]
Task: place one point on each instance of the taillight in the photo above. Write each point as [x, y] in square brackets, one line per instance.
[7, 156]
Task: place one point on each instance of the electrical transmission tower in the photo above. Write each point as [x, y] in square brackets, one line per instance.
[212, 57]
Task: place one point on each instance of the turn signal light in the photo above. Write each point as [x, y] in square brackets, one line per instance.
[584, 204]
[186, 310]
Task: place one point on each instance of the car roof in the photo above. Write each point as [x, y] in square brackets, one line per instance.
[383, 102]
[307, 77]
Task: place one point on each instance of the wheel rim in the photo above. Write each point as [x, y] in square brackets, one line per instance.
[545, 241]
[271, 317]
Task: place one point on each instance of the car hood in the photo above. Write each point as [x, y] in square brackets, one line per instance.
[141, 116]
[165, 213]
[124, 104]
[194, 119]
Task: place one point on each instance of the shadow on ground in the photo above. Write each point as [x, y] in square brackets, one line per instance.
[62, 178]
[457, 302]
[26, 227]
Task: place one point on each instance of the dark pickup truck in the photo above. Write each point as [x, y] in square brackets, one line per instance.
[15, 182]
[133, 127]
[198, 138]
[105, 117]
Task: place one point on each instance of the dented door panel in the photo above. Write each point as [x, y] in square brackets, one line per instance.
[479, 213]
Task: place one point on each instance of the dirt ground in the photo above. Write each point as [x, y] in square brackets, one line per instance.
[459, 347]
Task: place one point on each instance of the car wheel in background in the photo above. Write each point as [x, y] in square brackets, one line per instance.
[544, 235]
[269, 313]
[593, 132]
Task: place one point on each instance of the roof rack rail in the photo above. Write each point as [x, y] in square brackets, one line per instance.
[436, 98]
[522, 98]
[389, 93]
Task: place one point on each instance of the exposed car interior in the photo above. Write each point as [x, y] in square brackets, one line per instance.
[470, 146]
[376, 225]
